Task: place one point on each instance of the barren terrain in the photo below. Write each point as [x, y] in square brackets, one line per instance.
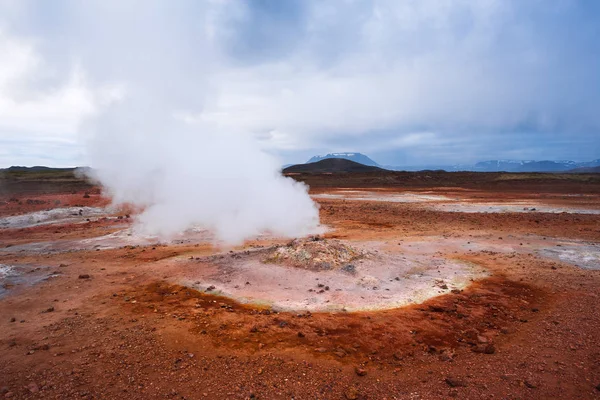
[425, 285]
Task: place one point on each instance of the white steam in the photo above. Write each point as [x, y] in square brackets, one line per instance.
[159, 62]
[184, 174]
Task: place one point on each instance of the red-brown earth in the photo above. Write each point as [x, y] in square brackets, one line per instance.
[107, 323]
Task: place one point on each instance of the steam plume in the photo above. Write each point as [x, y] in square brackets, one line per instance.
[148, 143]
[186, 175]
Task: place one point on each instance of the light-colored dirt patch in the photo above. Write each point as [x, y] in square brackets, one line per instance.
[586, 256]
[63, 215]
[378, 280]
[456, 204]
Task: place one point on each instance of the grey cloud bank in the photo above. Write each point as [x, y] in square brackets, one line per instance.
[428, 82]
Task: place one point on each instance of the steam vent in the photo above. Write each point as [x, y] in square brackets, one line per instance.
[317, 274]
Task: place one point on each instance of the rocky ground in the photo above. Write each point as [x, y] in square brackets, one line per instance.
[117, 322]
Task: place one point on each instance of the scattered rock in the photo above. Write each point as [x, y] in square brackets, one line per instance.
[33, 388]
[446, 355]
[13, 319]
[351, 393]
[455, 382]
[349, 269]
[84, 276]
[301, 335]
[340, 353]
[484, 348]
[49, 309]
[360, 371]
[530, 384]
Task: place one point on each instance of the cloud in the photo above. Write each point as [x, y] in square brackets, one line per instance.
[484, 78]
[39, 112]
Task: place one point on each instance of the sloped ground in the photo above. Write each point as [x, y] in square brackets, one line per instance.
[316, 254]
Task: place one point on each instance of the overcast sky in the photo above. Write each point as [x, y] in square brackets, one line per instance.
[408, 82]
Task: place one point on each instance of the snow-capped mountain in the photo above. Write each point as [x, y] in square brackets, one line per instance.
[531, 166]
[483, 166]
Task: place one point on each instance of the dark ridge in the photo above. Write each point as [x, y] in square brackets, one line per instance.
[585, 170]
[39, 180]
[331, 165]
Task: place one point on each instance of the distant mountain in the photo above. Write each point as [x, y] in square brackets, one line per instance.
[483, 166]
[531, 166]
[329, 165]
[584, 170]
[356, 157]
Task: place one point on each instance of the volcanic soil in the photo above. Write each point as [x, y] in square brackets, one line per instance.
[90, 310]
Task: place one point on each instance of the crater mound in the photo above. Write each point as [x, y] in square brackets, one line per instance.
[317, 254]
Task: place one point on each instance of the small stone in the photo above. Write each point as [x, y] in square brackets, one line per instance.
[351, 393]
[340, 353]
[13, 319]
[598, 387]
[530, 384]
[301, 335]
[321, 350]
[360, 371]
[33, 388]
[454, 382]
[349, 268]
[446, 355]
[484, 348]
[49, 309]
[84, 276]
